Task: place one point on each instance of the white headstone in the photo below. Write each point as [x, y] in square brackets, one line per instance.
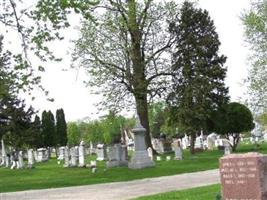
[20, 163]
[30, 158]
[100, 152]
[74, 154]
[158, 158]
[3, 152]
[81, 155]
[61, 152]
[168, 158]
[66, 157]
[150, 152]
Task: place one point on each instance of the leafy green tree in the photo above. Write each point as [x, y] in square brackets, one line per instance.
[198, 87]
[61, 128]
[123, 48]
[255, 25]
[48, 128]
[157, 118]
[231, 120]
[38, 141]
[15, 122]
[73, 134]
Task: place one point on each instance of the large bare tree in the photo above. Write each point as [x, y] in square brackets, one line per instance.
[125, 50]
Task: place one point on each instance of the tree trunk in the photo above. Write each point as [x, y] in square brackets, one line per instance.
[236, 141]
[142, 111]
[192, 143]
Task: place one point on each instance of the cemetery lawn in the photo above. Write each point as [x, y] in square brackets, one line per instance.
[52, 175]
[200, 193]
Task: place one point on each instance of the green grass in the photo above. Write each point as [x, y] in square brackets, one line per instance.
[52, 175]
[200, 193]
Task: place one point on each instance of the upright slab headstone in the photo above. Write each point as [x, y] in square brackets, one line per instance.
[178, 150]
[244, 176]
[211, 141]
[66, 157]
[140, 158]
[74, 156]
[3, 152]
[30, 158]
[81, 155]
[117, 155]
[150, 152]
[41, 155]
[20, 158]
[61, 152]
[100, 152]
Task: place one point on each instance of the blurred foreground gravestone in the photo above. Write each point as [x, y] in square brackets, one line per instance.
[244, 176]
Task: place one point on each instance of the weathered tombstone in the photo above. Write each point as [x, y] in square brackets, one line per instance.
[155, 144]
[74, 156]
[199, 143]
[244, 176]
[211, 141]
[177, 150]
[150, 152]
[66, 157]
[61, 152]
[117, 155]
[81, 155]
[100, 152]
[20, 162]
[185, 142]
[168, 158]
[227, 150]
[140, 158]
[3, 152]
[41, 155]
[30, 158]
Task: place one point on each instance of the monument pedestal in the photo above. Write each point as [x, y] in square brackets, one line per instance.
[140, 159]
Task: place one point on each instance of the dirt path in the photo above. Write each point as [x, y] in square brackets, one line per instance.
[119, 190]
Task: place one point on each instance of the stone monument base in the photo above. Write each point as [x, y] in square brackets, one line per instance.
[140, 160]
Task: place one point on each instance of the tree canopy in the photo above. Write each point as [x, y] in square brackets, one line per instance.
[231, 120]
[199, 71]
[255, 26]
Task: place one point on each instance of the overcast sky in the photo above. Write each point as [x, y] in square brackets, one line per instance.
[71, 95]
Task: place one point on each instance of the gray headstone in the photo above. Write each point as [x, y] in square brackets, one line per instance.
[30, 158]
[140, 158]
[66, 157]
[74, 156]
[20, 162]
[117, 155]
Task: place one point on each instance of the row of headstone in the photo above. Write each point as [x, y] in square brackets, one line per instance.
[73, 157]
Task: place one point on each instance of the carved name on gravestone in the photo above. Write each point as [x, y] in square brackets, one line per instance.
[244, 176]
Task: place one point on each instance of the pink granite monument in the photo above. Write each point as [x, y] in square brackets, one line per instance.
[244, 176]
